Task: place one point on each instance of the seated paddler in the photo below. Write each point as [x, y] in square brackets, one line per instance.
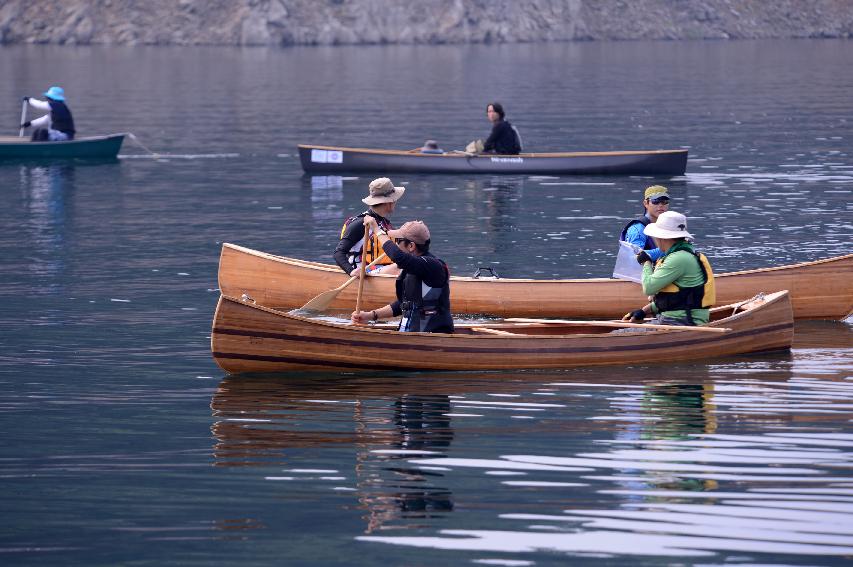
[423, 286]
[55, 126]
[680, 283]
[381, 201]
[431, 147]
[655, 202]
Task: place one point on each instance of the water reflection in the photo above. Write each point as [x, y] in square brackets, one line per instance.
[265, 420]
[388, 487]
[327, 198]
[743, 460]
[46, 192]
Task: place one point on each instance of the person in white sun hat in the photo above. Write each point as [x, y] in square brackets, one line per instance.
[681, 283]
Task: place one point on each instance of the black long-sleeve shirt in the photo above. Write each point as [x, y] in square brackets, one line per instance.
[429, 270]
[502, 140]
[352, 235]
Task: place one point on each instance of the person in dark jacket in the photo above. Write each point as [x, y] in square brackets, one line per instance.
[382, 199]
[504, 138]
[423, 286]
[55, 126]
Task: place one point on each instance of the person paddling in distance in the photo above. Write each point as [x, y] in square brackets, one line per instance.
[382, 200]
[55, 126]
[423, 286]
[655, 202]
[681, 282]
[504, 138]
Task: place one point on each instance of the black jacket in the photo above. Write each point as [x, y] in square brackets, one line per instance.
[502, 140]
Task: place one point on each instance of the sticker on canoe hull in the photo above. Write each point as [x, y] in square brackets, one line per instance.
[326, 156]
[507, 160]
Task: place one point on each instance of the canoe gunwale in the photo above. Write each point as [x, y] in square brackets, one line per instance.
[4, 140]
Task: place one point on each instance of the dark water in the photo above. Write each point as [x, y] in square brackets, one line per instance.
[124, 444]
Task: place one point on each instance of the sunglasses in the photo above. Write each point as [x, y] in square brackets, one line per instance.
[659, 201]
[402, 240]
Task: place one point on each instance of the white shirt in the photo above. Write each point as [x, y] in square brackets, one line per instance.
[44, 121]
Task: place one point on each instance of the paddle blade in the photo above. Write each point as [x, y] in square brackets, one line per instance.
[322, 301]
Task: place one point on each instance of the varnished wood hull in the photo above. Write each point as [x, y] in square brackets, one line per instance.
[334, 159]
[250, 338]
[819, 290]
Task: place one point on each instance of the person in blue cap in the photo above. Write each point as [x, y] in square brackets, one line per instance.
[55, 126]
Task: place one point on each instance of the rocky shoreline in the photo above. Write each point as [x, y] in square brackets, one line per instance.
[354, 22]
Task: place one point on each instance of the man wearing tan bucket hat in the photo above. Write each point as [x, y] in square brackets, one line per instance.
[423, 286]
[681, 283]
[382, 199]
[655, 202]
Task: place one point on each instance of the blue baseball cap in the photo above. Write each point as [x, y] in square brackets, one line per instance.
[56, 93]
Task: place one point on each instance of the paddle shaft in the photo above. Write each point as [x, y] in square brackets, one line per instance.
[23, 118]
[322, 301]
[619, 324]
[362, 268]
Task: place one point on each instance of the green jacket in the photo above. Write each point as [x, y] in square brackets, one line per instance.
[677, 267]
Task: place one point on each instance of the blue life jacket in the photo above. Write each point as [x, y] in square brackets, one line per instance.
[645, 221]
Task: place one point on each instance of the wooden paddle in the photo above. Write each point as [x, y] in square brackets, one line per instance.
[322, 301]
[363, 269]
[23, 118]
[619, 324]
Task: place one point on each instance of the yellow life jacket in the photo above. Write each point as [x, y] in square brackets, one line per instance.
[374, 249]
[675, 298]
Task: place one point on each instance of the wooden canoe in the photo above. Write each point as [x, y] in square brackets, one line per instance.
[97, 147]
[247, 337]
[334, 159]
[819, 290]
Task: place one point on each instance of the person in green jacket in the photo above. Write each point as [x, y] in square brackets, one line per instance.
[681, 283]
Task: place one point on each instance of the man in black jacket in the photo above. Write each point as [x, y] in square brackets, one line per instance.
[423, 286]
[504, 138]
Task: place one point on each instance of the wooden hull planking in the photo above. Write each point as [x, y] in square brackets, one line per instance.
[250, 338]
[819, 290]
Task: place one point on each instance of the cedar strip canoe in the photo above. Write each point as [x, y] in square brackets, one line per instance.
[822, 289]
[247, 337]
[334, 159]
[96, 147]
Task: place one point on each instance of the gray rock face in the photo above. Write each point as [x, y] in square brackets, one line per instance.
[333, 22]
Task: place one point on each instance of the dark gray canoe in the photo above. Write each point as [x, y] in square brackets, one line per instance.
[331, 159]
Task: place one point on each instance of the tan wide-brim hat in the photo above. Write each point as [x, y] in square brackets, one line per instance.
[669, 225]
[383, 191]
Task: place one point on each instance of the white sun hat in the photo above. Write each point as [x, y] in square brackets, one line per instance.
[669, 225]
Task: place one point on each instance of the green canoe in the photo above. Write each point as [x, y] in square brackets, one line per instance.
[96, 147]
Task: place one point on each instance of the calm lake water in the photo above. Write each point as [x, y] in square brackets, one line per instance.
[124, 444]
